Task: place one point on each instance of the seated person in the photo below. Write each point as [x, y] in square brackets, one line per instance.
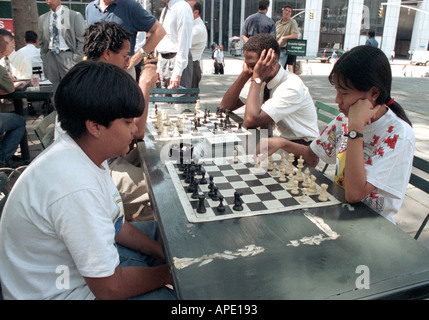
[32, 51]
[16, 64]
[12, 124]
[69, 239]
[372, 129]
[109, 42]
[272, 94]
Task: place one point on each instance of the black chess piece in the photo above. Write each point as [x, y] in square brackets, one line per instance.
[238, 202]
[201, 206]
[203, 179]
[195, 193]
[221, 207]
[215, 196]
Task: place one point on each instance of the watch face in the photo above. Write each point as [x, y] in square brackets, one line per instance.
[258, 81]
[352, 134]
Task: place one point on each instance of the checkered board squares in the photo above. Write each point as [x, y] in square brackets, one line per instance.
[188, 132]
[262, 193]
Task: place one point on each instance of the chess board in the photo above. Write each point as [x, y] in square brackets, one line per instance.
[205, 128]
[262, 192]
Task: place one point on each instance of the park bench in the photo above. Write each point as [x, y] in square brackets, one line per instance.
[325, 114]
[181, 95]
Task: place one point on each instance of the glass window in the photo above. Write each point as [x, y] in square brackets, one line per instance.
[333, 24]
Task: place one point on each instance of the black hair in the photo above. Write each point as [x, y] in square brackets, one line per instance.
[364, 67]
[371, 33]
[263, 4]
[30, 36]
[198, 6]
[102, 36]
[4, 32]
[96, 91]
[261, 41]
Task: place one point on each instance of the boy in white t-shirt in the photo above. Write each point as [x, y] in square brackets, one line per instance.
[371, 141]
[62, 233]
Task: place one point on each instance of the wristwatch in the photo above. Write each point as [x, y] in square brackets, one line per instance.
[354, 134]
[257, 80]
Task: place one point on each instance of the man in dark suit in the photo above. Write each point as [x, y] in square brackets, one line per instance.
[61, 40]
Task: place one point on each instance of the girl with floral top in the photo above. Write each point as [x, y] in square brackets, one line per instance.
[371, 141]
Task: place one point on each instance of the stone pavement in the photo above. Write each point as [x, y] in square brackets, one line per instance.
[411, 92]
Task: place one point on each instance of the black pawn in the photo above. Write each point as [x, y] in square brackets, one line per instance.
[221, 207]
[203, 179]
[201, 207]
[195, 193]
[238, 203]
[215, 196]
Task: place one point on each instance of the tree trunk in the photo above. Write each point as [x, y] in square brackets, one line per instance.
[24, 15]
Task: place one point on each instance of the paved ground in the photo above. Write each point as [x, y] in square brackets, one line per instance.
[411, 92]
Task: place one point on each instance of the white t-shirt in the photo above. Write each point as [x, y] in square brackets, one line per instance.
[290, 106]
[59, 225]
[388, 152]
[199, 39]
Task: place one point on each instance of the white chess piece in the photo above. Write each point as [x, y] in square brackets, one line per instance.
[295, 190]
[312, 187]
[305, 182]
[290, 182]
[283, 175]
[323, 193]
[164, 133]
[304, 195]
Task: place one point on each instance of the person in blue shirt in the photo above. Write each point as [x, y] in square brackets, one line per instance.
[259, 22]
[131, 15]
[371, 39]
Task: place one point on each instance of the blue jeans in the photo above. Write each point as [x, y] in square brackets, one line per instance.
[132, 258]
[14, 126]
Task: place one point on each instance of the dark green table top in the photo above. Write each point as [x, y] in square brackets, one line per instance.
[274, 256]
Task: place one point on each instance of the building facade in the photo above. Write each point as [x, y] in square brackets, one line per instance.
[402, 26]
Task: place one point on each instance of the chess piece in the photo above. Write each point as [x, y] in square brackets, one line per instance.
[282, 161]
[274, 170]
[175, 131]
[238, 202]
[235, 160]
[295, 190]
[290, 182]
[323, 193]
[215, 196]
[195, 193]
[203, 179]
[221, 207]
[283, 175]
[164, 133]
[201, 206]
[270, 163]
[312, 187]
[300, 165]
[305, 182]
[304, 195]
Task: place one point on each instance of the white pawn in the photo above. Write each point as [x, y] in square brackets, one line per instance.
[304, 195]
[290, 182]
[295, 190]
[164, 133]
[306, 183]
[323, 193]
[175, 132]
[274, 171]
[312, 184]
[283, 175]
